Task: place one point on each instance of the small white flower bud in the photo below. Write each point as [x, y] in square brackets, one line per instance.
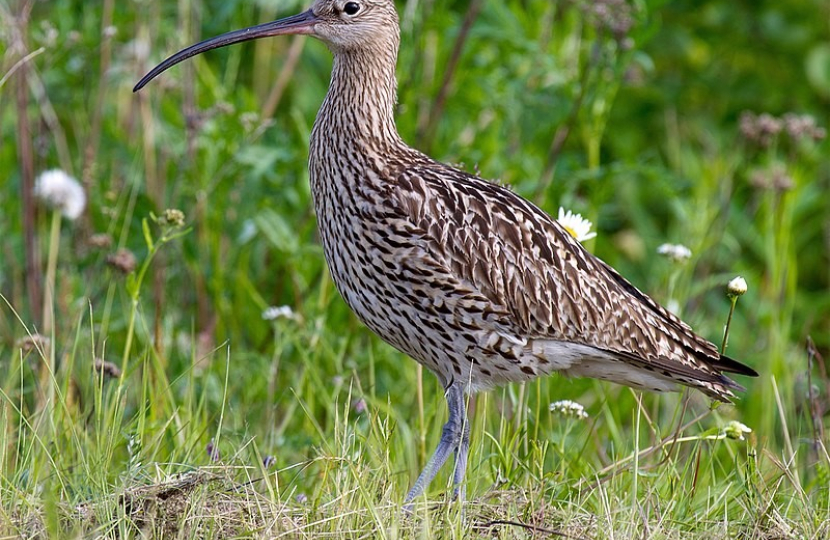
[736, 287]
[735, 430]
[173, 217]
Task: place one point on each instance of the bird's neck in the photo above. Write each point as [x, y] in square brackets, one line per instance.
[360, 103]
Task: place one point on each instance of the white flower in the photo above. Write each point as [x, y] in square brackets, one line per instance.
[274, 312]
[62, 192]
[576, 225]
[736, 287]
[566, 407]
[735, 430]
[675, 252]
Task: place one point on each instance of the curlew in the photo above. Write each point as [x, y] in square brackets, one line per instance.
[466, 277]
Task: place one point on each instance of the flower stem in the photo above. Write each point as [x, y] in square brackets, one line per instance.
[47, 374]
[733, 300]
[51, 272]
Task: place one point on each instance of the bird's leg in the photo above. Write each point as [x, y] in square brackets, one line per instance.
[454, 437]
[461, 457]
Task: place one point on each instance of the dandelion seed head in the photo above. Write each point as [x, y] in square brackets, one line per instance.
[568, 409]
[576, 225]
[736, 287]
[677, 253]
[61, 192]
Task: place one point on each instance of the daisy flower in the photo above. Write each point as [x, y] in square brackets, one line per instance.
[675, 252]
[277, 312]
[576, 225]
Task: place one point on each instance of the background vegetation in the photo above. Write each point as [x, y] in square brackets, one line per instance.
[211, 421]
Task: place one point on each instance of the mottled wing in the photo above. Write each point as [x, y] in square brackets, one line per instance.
[525, 263]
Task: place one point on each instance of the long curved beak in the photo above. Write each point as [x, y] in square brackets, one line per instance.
[302, 23]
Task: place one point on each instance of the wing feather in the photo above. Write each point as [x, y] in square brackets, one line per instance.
[526, 264]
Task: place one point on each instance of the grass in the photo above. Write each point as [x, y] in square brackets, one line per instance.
[208, 421]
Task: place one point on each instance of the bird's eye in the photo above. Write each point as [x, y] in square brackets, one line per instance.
[351, 8]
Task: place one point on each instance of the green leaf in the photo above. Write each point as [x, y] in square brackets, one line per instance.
[277, 231]
[148, 236]
[261, 159]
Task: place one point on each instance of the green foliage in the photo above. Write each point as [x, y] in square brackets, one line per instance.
[633, 116]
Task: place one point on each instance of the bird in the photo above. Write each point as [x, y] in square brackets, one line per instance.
[463, 275]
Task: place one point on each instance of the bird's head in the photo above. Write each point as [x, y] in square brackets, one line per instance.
[344, 25]
[355, 24]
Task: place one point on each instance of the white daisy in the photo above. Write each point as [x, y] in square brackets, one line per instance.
[62, 192]
[675, 252]
[277, 312]
[576, 225]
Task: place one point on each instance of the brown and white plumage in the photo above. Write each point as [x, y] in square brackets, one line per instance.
[466, 277]
[508, 295]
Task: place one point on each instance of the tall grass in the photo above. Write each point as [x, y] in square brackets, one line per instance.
[210, 421]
